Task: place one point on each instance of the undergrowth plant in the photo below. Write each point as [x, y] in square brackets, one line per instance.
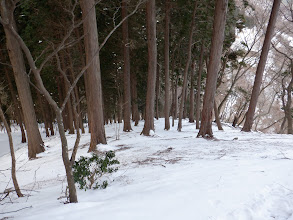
[87, 171]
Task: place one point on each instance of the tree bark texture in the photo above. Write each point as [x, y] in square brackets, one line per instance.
[152, 67]
[35, 142]
[261, 66]
[166, 62]
[191, 96]
[126, 71]
[134, 105]
[93, 74]
[213, 68]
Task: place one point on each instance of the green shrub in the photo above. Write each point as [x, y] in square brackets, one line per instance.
[87, 171]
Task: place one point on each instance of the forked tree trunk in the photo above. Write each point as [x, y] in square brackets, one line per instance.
[261, 66]
[93, 75]
[213, 68]
[152, 67]
[167, 60]
[184, 88]
[40, 85]
[198, 102]
[35, 142]
[126, 70]
[13, 166]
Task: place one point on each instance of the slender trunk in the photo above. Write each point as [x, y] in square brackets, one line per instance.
[213, 68]
[35, 142]
[93, 75]
[157, 92]
[167, 60]
[120, 108]
[13, 166]
[184, 88]
[135, 112]
[191, 96]
[175, 110]
[126, 71]
[217, 118]
[261, 66]
[76, 94]
[68, 109]
[152, 67]
[198, 102]
[17, 107]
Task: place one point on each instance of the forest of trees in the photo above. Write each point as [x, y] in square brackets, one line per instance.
[72, 65]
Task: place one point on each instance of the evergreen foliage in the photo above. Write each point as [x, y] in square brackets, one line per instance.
[87, 171]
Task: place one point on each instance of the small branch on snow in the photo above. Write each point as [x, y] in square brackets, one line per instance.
[1, 213]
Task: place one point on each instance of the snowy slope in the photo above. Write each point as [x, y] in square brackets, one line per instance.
[171, 175]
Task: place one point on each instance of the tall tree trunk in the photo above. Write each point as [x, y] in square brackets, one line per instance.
[17, 107]
[184, 88]
[126, 70]
[93, 75]
[167, 60]
[158, 92]
[261, 66]
[198, 102]
[76, 94]
[13, 166]
[213, 68]
[175, 101]
[120, 108]
[68, 109]
[191, 96]
[135, 112]
[35, 142]
[152, 67]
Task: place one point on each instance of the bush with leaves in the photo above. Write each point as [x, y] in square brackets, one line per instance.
[87, 171]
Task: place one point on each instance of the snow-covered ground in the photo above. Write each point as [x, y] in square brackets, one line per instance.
[171, 175]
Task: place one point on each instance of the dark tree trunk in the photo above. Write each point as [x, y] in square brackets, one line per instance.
[126, 70]
[158, 93]
[135, 112]
[261, 66]
[17, 107]
[35, 142]
[68, 110]
[184, 88]
[198, 102]
[93, 75]
[213, 68]
[217, 118]
[152, 67]
[191, 96]
[167, 60]
[120, 108]
[175, 102]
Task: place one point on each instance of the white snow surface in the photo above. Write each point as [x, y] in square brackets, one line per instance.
[169, 175]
